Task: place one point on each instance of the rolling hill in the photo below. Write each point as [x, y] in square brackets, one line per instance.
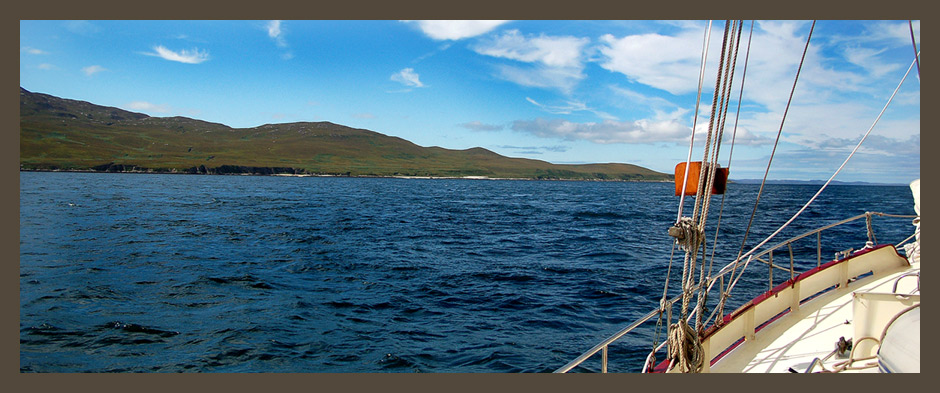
[64, 134]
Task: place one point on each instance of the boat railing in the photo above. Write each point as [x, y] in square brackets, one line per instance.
[768, 252]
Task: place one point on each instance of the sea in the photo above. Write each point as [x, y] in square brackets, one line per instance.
[170, 273]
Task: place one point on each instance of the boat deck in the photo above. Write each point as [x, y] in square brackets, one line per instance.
[794, 341]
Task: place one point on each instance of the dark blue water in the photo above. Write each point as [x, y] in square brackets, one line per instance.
[177, 273]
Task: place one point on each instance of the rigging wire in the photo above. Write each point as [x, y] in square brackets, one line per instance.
[914, 41]
[776, 141]
[732, 266]
[698, 98]
[685, 346]
[718, 123]
[844, 163]
[691, 256]
[726, 101]
[711, 127]
[721, 209]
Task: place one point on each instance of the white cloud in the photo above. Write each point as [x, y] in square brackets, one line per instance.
[776, 50]
[275, 32]
[673, 62]
[439, 49]
[82, 27]
[479, 126]
[363, 115]
[456, 29]
[93, 69]
[881, 159]
[554, 61]
[46, 66]
[639, 99]
[34, 51]
[569, 107]
[742, 136]
[274, 28]
[531, 150]
[669, 63]
[609, 131]
[194, 56]
[867, 58]
[829, 99]
[407, 77]
[893, 33]
[564, 51]
[148, 107]
[564, 79]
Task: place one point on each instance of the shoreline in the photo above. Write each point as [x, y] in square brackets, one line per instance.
[177, 172]
[730, 181]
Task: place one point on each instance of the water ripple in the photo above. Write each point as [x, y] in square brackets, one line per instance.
[169, 273]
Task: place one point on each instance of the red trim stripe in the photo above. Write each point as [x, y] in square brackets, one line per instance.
[773, 292]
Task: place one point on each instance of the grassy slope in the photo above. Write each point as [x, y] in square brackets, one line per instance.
[69, 134]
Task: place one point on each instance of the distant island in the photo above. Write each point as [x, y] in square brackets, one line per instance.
[70, 135]
[816, 182]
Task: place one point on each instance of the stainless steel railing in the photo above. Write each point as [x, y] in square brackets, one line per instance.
[603, 345]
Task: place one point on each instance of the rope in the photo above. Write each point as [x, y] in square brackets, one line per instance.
[711, 125]
[718, 124]
[847, 364]
[685, 348]
[702, 194]
[722, 116]
[688, 235]
[872, 240]
[698, 98]
[747, 54]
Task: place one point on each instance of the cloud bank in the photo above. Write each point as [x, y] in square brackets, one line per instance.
[606, 132]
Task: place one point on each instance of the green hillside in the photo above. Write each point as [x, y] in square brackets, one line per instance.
[64, 134]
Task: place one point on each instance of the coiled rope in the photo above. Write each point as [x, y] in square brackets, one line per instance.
[685, 348]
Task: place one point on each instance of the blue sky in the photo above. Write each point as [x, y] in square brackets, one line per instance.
[559, 91]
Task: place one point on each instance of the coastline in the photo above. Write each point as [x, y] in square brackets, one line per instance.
[178, 172]
[468, 177]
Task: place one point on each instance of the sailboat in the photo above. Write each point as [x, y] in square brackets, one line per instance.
[858, 312]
